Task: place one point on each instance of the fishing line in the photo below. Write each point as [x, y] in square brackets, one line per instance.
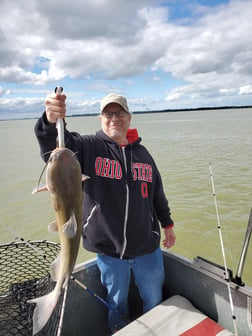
[40, 177]
[223, 251]
[18, 237]
[105, 303]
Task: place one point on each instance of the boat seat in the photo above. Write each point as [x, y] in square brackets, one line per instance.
[177, 317]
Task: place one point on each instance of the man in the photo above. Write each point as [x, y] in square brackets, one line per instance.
[123, 203]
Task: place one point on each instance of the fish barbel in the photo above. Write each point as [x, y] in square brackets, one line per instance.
[64, 182]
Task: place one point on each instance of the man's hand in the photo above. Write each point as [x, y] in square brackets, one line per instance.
[55, 107]
[170, 238]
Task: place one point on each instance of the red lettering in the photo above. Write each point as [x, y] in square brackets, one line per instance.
[112, 169]
[143, 177]
[118, 171]
[134, 172]
[105, 168]
[108, 168]
[142, 172]
[138, 166]
[144, 190]
[98, 166]
[150, 173]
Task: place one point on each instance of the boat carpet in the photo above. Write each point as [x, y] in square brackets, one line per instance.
[177, 317]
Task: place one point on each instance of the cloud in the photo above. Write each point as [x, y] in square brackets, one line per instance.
[246, 90]
[77, 39]
[206, 52]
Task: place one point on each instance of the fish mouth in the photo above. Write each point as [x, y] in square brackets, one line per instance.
[57, 152]
[61, 154]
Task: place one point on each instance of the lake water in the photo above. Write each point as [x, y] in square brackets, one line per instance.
[183, 144]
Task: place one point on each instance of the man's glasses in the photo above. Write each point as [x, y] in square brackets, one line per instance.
[109, 114]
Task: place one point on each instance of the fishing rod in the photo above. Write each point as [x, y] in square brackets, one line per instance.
[59, 122]
[62, 310]
[61, 137]
[100, 299]
[223, 252]
[238, 279]
[61, 143]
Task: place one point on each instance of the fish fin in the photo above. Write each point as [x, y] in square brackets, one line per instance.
[70, 227]
[55, 268]
[36, 190]
[53, 227]
[84, 178]
[45, 305]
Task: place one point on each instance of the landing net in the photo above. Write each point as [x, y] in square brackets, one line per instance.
[24, 275]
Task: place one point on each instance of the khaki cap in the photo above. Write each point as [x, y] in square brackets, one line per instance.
[114, 98]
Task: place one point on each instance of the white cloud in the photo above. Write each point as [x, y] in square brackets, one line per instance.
[210, 53]
[245, 90]
[175, 94]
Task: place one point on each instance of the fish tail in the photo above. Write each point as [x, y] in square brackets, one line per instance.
[45, 306]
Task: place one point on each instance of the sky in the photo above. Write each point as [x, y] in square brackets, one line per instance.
[159, 54]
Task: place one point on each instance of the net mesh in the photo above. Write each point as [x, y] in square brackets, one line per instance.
[24, 275]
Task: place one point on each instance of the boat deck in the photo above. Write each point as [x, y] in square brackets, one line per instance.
[195, 296]
[199, 283]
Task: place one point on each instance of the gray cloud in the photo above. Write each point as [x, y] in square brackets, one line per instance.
[43, 42]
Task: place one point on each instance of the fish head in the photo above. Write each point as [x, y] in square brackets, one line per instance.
[63, 169]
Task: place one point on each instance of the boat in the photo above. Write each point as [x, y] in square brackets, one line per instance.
[199, 298]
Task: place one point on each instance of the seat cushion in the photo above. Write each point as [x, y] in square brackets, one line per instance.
[177, 317]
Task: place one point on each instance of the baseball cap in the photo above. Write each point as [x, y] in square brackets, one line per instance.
[114, 98]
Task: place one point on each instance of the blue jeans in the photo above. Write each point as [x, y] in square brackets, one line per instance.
[115, 276]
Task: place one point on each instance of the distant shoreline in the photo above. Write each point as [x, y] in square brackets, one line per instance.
[168, 110]
[145, 112]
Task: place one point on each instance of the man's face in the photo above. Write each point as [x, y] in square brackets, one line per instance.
[115, 122]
